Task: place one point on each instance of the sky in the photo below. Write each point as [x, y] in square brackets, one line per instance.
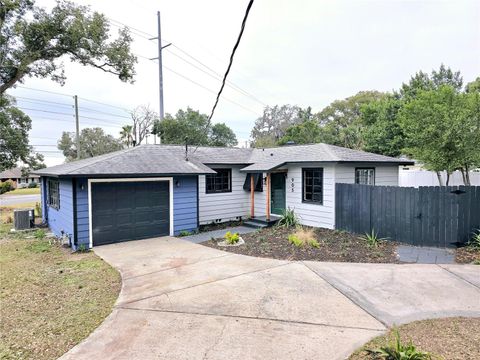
[306, 53]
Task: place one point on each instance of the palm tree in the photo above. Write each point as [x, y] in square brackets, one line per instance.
[126, 135]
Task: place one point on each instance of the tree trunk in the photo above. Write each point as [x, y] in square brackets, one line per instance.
[462, 170]
[448, 179]
[467, 176]
[439, 176]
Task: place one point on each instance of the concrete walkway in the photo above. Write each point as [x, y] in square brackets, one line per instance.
[180, 300]
[215, 234]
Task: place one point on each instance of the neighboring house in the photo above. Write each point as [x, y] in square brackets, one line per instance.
[19, 180]
[156, 190]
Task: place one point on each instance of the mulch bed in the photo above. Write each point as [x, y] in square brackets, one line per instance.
[335, 245]
[467, 255]
[448, 338]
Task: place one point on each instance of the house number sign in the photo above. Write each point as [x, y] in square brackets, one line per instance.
[292, 184]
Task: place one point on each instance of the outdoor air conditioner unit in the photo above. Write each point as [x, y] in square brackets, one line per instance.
[23, 219]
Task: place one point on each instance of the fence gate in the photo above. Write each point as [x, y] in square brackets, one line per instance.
[426, 216]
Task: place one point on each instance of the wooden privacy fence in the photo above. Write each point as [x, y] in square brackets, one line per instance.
[426, 216]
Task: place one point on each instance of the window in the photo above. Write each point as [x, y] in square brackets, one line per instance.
[312, 180]
[365, 176]
[53, 194]
[219, 182]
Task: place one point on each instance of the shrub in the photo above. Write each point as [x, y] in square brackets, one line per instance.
[231, 238]
[474, 242]
[40, 234]
[184, 233]
[289, 218]
[372, 239]
[82, 248]
[395, 350]
[6, 187]
[32, 185]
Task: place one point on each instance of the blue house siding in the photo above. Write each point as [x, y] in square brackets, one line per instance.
[185, 208]
[185, 205]
[82, 213]
[60, 221]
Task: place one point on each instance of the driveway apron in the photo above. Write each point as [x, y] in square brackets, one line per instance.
[180, 300]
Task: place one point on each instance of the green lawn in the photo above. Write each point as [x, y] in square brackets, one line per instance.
[24, 191]
[50, 299]
[6, 212]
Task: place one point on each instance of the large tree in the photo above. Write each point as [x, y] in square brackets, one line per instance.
[14, 128]
[271, 127]
[143, 119]
[442, 129]
[307, 132]
[341, 121]
[32, 41]
[190, 126]
[93, 142]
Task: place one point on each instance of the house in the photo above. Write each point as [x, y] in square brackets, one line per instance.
[155, 190]
[19, 180]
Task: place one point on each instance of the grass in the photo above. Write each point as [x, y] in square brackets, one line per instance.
[50, 298]
[447, 338]
[6, 212]
[24, 191]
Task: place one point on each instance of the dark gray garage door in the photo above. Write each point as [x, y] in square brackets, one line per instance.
[123, 211]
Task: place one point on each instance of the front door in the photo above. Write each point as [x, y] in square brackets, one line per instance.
[277, 193]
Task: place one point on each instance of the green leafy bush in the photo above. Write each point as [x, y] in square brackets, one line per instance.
[231, 238]
[6, 187]
[82, 248]
[372, 239]
[184, 233]
[289, 218]
[32, 185]
[395, 350]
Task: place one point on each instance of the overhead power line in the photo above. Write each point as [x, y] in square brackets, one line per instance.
[235, 47]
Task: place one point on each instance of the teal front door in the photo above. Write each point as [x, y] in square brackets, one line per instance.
[277, 193]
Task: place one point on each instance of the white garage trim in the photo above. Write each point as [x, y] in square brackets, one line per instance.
[90, 181]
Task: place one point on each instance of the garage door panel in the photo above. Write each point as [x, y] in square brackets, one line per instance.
[124, 211]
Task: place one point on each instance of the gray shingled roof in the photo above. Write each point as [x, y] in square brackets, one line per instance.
[271, 158]
[170, 159]
[14, 173]
[140, 160]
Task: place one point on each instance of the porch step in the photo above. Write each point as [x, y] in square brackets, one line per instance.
[262, 222]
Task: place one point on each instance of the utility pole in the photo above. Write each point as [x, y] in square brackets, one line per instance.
[160, 69]
[77, 126]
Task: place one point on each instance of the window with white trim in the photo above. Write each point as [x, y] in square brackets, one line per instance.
[365, 176]
[219, 182]
[54, 194]
[312, 184]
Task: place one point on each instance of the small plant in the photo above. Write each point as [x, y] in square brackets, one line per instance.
[372, 239]
[40, 234]
[395, 350]
[294, 240]
[32, 185]
[304, 236]
[231, 239]
[184, 233]
[289, 218]
[474, 242]
[82, 248]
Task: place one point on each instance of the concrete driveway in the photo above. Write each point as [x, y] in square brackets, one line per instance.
[181, 300]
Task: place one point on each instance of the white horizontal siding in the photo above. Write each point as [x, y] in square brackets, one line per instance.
[385, 175]
[312, 214]
[227, 206]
